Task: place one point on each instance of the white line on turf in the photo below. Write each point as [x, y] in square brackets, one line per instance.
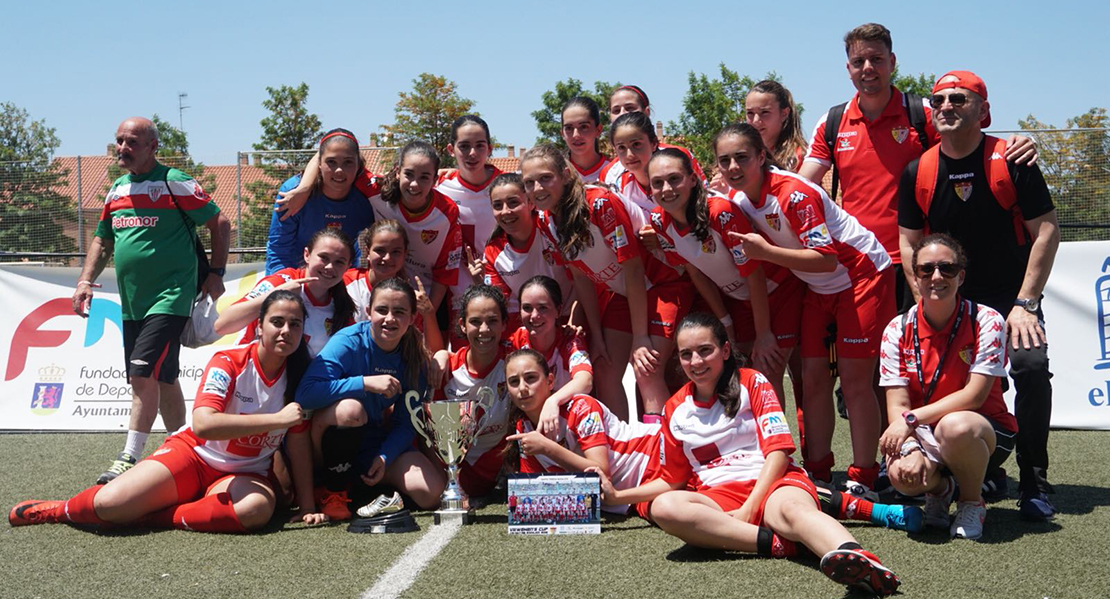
[408, 566]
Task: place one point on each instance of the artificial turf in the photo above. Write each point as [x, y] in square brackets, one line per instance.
[1014, 559]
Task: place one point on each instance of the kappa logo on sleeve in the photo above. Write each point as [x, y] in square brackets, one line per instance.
[723, 218]
[217, 382]
[797, 196]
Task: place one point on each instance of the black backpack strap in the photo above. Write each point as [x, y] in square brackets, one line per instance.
[916, 110]
[832, 127]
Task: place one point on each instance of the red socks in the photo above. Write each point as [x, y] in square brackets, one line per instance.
[79, 509]
[854, 508]
[212, 513]
[864, 476]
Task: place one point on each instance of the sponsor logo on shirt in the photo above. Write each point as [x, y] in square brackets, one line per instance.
[130, 222]
[579, 357]
[900, 133]
[217, 381]
[816, 237]
[428, 235]
[773, 424]
[808, 216]
[796, 197]
[617, 238]
[599, 203]
[723, 218]
[591, 425]
[773, 220]
[739, 257]
[963, 190]
[844, 143]
[243, 398]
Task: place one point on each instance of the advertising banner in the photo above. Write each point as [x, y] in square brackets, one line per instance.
[64, 372]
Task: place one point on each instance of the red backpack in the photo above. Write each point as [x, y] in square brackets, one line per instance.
[998, 177]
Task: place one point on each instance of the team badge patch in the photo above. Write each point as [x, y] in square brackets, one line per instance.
[154, 192]
[966, 354]
[709, 246]
[773, 220]
[900, 133]
[428, 235]
[963, 190]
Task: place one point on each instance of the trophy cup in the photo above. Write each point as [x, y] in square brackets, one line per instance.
[449, 427]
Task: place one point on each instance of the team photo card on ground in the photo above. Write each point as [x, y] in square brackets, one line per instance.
[554, 504]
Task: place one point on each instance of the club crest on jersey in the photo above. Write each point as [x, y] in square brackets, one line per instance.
[155, 192]
[549, 255]
[428, 235]
[963, 190]
[966, 354]
[709, 246]
[773, 220]
[900, 133]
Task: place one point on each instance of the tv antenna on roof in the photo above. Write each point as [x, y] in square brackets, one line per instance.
[181, 110]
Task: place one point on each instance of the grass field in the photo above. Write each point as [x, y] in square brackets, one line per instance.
[1015, 559]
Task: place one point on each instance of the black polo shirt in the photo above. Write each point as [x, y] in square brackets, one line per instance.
[964, 207]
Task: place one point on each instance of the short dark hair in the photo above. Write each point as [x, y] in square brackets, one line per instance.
[868, 32]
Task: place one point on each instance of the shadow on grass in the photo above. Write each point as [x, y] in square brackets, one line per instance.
[1075, 500]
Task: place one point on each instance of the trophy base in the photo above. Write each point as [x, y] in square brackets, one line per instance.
[462, 516]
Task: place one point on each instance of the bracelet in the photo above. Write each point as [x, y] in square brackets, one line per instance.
[726, 320]
[89, 283]
[909, 446]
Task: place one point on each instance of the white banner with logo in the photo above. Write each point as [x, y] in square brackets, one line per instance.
[64, 372]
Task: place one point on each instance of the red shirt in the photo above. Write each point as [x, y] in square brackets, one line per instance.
[870, 158]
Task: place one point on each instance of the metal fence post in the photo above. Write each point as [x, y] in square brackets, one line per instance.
[238, 199]
[80, 214]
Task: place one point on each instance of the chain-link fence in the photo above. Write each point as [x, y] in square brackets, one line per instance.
[49, 212]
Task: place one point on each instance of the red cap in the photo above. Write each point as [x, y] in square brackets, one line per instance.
[966, 80]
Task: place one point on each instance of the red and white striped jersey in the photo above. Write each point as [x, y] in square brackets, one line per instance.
[794, 213]
[613, 232]
[233, 383]
[593, 173]
[318, 325]
[630, 189]
[586, 423]
[476, 220]
[703, 447]
[463, 383]
[508, 267]
[358, 288]
[614, 171]
[435, 239]
[719, 257]
[567, 357]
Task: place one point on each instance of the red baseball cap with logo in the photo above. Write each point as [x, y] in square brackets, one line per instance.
[966, 80]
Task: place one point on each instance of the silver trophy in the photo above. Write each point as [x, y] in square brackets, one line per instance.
[449, 427]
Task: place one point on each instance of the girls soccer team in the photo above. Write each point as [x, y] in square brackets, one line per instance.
[574, 269]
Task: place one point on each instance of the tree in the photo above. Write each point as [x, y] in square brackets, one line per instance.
[33, 214]
[920, 86]
[427, 113]
[288, 126]
[1076, 166]
[709, 105]
[549, 118]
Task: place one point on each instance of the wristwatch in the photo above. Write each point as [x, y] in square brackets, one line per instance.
[1031, 305]
[219, 272]
[910, 418]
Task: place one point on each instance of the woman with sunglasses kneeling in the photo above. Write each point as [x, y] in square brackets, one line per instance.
[942, 364]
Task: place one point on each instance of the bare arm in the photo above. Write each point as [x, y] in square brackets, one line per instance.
[100, 250]
[800, 259]
[299, 448]
[1024, 327]
[211, 425]
[220, 228]
[907, 238]
[814, 171]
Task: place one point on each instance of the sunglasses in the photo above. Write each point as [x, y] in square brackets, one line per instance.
[957, 100]
[947, 270]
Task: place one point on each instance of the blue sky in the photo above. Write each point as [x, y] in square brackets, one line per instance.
[83, 67]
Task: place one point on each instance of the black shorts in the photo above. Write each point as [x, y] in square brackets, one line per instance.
[151, 346]
[1003, 446]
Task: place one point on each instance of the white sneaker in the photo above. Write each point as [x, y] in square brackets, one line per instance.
[937, 506]
[381, 505]
[968, 523]
[858, 489]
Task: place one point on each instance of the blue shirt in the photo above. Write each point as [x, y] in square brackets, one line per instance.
[336, 373]
[287, 240]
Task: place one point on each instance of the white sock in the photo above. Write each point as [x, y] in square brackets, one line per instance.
[136, 441]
